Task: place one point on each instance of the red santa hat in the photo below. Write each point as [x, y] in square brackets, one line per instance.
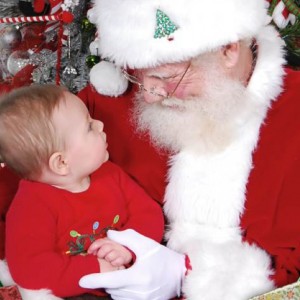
[147, 33]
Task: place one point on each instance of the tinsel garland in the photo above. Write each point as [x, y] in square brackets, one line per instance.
[9, 8]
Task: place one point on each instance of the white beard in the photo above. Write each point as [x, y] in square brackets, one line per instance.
[203, 123]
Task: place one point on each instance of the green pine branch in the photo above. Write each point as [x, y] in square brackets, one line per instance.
[291, 36]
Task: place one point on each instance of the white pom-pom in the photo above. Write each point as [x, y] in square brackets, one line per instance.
[108, 79]
[92, 15]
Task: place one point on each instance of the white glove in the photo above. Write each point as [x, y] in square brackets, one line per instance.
[156, 274]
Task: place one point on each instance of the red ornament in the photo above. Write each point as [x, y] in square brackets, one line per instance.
[23, 77]
[39, 6]
[67, 17]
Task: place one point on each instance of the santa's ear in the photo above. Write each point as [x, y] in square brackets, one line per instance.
[230, 55]
[58, 164]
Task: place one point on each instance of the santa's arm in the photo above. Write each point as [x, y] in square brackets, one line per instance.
[157, 273]
[235, 270]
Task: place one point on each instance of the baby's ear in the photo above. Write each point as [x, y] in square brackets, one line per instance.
[58, 164]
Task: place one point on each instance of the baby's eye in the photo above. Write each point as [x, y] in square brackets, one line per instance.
[90, 126]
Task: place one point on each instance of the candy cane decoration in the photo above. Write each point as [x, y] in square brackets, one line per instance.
[65, 17]
[291, 6]
[283, 12]
[30, 19]
[55, 9]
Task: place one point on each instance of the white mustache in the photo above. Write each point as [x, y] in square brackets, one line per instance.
[174, 103]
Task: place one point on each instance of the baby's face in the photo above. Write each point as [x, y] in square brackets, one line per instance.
[85, 144]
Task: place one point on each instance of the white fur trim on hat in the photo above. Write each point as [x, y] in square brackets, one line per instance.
[127, 27]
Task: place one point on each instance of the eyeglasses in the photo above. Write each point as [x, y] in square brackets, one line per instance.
[152, 90]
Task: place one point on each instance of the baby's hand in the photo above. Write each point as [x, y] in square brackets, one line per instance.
[114, 253]
[106, 266]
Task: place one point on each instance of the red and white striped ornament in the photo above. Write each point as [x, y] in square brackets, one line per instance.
[55, 9]
[282, 12]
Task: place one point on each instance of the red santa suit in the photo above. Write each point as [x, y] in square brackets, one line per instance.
[271, 210]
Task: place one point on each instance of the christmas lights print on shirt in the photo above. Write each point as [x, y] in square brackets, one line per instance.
[83, 241]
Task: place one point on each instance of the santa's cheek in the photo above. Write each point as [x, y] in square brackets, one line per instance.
[179, 92]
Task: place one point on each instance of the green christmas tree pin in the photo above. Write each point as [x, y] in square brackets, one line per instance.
[164, 26]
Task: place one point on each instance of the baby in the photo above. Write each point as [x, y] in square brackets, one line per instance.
[69, 195]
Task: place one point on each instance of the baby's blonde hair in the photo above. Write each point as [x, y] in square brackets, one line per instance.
[27, 135]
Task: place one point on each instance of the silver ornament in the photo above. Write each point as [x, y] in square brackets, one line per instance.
[10, 37]
[17, 61]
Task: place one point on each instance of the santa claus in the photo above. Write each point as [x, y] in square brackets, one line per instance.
[214, 94]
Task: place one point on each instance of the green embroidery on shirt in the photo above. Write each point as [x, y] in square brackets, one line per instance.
[79, 245]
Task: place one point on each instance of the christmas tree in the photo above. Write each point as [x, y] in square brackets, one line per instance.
[45, 51]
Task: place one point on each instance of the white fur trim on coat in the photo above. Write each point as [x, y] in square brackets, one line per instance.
[206, 193]
[220, 269]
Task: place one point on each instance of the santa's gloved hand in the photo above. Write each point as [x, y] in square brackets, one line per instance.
[156, 274]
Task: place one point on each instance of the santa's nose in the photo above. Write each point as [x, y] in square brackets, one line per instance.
[154, 90]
